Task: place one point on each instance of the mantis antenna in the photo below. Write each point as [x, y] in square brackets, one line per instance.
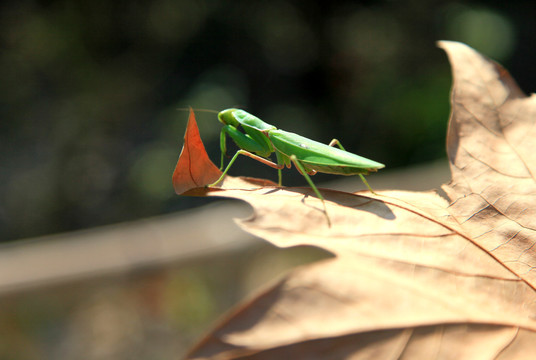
[199, 110]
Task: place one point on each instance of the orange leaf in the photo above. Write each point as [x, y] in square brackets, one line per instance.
[194, 168]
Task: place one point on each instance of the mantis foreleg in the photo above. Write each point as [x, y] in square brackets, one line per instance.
[223, 147]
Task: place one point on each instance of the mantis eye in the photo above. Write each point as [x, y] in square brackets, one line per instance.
[227, 117]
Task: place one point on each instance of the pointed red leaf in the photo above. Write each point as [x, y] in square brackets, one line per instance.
[194, 168]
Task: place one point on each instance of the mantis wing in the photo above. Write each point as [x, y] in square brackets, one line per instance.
[321, 157]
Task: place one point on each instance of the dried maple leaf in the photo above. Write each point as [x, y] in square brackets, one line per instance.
[415, 275]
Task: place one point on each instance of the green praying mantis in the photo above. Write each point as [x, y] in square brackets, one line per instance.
[258, 140]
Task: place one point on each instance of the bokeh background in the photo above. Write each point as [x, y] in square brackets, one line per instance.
[91, 96]
[89, 91]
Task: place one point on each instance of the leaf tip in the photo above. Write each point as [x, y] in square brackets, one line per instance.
[194, 168]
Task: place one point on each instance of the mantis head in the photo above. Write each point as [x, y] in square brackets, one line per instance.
[236, 117]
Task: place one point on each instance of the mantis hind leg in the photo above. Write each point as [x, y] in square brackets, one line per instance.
[300, 167]
[334, 142]
[338, 143]
[366, 183]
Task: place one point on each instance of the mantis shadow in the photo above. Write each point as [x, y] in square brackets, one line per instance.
[358, 202]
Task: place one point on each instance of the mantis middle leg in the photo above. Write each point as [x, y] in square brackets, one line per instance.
[251, 155]
[300, 167]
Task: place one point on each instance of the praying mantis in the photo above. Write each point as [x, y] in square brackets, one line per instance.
[258, 140]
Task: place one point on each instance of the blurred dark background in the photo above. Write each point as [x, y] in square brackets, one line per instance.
[89, 127]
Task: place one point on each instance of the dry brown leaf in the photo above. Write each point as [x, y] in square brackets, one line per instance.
[415, 275]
